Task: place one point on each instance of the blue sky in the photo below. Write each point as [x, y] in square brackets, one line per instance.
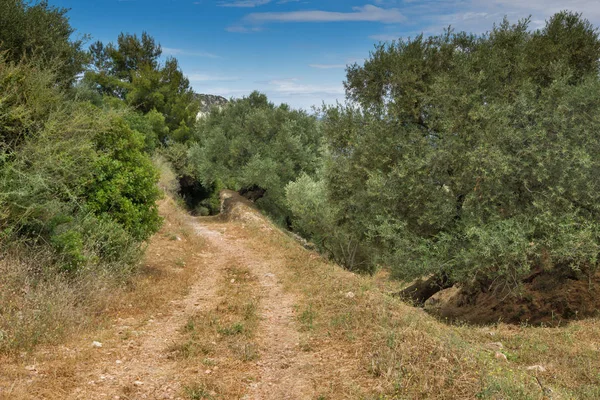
[295, 51]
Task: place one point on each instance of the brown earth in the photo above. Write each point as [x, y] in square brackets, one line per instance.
[545, 298]
[138, 357]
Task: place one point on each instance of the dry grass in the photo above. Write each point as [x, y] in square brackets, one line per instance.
[222, 339]
[390, 350]
[48, 312]
[366, 344]
[39, 309]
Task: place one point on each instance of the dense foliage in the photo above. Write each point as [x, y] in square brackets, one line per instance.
[75, 178]
[252, 145]
[75, 169]
[473, 157]
[41, 32]
[470, 157]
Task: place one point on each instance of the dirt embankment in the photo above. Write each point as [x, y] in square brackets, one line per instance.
[544, 298]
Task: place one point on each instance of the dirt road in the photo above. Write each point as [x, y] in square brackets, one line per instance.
[143, 358]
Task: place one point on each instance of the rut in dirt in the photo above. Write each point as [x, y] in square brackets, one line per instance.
[283, 370]
[143, 367]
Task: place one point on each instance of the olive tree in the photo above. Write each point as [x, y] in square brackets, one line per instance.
[473, 157]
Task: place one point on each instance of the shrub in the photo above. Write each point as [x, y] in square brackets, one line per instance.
[316, 218]
[27, 96]
[124, 184]
[36, 30]
[72, 163]
[167, 181]
[256, 146]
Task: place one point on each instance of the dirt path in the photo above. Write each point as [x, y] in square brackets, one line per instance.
[283, 370]
[136, 358]
[142, 367]
[255, 316]
[145, 356]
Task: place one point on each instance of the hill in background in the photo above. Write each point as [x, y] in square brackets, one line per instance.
[208, 101]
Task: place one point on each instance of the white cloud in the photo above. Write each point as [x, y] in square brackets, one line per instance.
[292, 87]
[385, 37]
[244, 3]
[226, 92]
[327, 66]
[477, 16]
[367, 13]
[251, 3]
[293, 91]
[243, 29]
[202, 77]
[180, 52]
[590, 8]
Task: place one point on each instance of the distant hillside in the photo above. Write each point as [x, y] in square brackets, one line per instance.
[208, 101]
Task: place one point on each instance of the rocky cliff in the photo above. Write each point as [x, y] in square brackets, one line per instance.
[208, 101]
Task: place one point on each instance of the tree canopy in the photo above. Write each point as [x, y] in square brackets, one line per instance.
[132, 71]
[41, 32]
[253, 145]
[75, 179]
[472, 156]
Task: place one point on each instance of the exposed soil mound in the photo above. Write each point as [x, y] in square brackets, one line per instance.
[236, 207]
[545, 298]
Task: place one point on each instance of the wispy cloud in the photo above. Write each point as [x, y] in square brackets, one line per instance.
[293, 87]
[385, 37]
[478, 16]
[243, 29]
[250, 3]
[223, 91]
[327, 66]
[244, 3]
[367, 13]
[181, 52]
[207, 77]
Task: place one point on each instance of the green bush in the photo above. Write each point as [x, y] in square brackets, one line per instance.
[69, 245]
[308, 202]
[76, 179]
[151, 125]
[124, 185]
[315, 217]
[131, 71]
[27, 97]
[40, 32]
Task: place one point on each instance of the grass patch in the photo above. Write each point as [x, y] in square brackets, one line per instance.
[38, 306]
[234, 329]
[222, 338]
[307, 318]
[233, 321]
[198, 392]
[386, 349]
